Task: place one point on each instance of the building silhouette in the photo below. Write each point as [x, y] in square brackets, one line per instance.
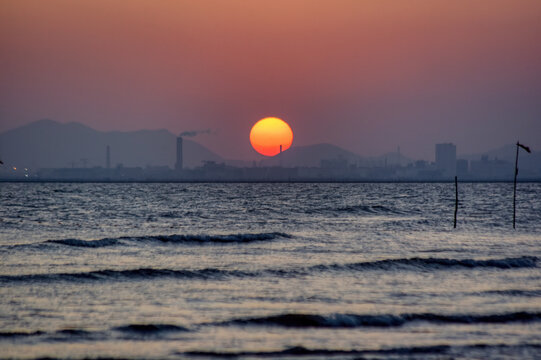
[486, 168]
[446, 159]
[462, 168]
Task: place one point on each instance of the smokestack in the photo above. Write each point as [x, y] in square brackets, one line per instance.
[108, 157]
[178, 164]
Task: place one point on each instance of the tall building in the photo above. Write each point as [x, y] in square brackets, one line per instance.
[446, 159]
[178, 164]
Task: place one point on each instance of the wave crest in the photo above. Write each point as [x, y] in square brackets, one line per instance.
[438, 350]
[131, 274]
[368, 209]
[383, 320]
[232, 238]
[434, 264]
[302, 351]
[131, 329]
[85, 243]
[425, 264]
[174, 239]
[357, 209]
[148, 329]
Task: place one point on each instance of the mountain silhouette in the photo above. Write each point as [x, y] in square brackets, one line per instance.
[51, 144]
[527, 162]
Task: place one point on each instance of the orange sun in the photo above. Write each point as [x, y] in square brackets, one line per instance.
[268, 134]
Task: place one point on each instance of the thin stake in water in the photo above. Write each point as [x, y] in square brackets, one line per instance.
[456, 199]
[515, 182]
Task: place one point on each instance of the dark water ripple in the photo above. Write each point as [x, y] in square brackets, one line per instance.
[252, 270]
[151, 328]
[298, 321]
[435, 264]
[133, 274]
[175, 239]
[513, 292]
[410, 264]
[528, 350]
[130, 331]
[383, 320]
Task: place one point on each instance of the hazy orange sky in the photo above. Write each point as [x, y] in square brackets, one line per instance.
[365, 75]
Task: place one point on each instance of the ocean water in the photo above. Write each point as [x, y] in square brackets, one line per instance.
[269, 270]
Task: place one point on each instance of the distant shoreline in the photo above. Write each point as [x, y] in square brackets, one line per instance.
[265, 181]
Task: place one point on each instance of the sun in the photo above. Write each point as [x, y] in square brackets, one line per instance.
[268, 134]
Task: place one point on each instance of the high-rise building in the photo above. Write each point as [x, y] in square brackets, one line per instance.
[178, 164]
[446, 159]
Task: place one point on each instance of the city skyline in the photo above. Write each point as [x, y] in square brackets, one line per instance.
[197, 135]
[49, 150]
[367, 76]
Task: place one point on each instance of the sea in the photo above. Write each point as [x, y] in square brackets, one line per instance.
[269, 270]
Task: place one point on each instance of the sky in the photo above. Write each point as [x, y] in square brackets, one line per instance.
[366, 75]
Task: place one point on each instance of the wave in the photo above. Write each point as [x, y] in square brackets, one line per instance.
[149, 273]
[442, 250]
[131, 329]
[14, 334]
[76, 332]
[85, 243]
[149, 329]
[218, 274]
[59, 335]
[437, 350]
[175, 239]
[234, 238]
[302, 351]
[132, 274]
[368, 209]
[433, 264]
[357, 209]
[513, 292]
[383, 320]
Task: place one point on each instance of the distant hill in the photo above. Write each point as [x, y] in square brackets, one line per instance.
[530, 162]
[50, 144]
[506, 153]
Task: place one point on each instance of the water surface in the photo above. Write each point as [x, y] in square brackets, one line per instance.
[269, 270]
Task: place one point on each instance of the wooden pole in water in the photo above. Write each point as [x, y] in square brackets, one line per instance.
[456, 199]
[515, 188]
[515, 182]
